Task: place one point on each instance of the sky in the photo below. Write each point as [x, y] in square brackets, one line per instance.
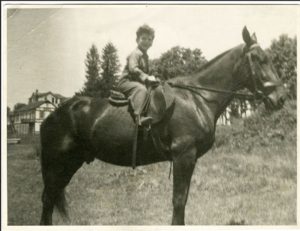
[46, 47]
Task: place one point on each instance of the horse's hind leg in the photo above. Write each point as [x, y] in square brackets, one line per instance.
[184, 165]
[58, 167]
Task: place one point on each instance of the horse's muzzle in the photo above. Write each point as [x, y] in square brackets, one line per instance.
[276, 99]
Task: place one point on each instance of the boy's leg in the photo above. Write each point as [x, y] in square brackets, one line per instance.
[137, 92]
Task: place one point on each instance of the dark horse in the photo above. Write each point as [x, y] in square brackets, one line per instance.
[86, 128]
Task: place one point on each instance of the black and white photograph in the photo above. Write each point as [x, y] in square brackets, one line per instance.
[149, 114]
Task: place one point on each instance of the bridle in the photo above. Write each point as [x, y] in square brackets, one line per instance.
[258, 94]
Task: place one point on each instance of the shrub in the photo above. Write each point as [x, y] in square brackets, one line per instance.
[262, 129]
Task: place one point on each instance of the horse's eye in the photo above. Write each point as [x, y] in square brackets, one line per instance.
[265, 60]
[259, 59]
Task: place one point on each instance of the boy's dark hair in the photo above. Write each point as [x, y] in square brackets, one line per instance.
[144, 29]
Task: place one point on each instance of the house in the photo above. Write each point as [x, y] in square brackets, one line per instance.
[243, 109]
[53, 98]
[224, 118]
[28, 119]
[10, 125]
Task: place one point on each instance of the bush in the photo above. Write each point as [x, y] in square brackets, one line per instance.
[279, 122]
[261, 129]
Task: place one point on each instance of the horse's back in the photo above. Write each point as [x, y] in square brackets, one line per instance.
[90, 115]
[112, 123]
[83, 116]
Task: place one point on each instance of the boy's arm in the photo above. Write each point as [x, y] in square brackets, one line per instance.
[133, 66]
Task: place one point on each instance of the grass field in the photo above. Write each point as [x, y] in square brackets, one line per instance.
[229, 186]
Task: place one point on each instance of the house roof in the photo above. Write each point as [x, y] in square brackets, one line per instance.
[32, 106]
[59, 96]
[49, 92]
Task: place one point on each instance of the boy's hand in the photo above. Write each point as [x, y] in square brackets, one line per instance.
[152, 81]
[152, 78]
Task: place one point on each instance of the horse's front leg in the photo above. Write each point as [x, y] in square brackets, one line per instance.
[184, 165]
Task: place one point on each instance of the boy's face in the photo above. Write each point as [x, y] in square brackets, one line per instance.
[145, 41]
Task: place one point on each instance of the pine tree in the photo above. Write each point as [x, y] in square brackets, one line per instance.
[110, 67]
[92, 63]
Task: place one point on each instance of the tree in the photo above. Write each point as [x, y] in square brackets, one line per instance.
[177, 61]
[110, 67]
[18, 106]
[92, 63]
[283, 53]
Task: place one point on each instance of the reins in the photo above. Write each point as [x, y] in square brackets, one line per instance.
[193, 88]
[257, 95]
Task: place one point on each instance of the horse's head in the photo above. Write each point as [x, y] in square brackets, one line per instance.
[262, 78]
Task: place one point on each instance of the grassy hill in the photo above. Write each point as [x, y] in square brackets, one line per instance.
[249, 177]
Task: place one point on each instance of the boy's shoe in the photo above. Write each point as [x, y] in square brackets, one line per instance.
[145, 120]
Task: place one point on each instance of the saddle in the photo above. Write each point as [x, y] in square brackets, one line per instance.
[161, 98]
[157, 105]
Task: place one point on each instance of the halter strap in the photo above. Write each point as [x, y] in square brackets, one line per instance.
[253, 46]
[252, 76]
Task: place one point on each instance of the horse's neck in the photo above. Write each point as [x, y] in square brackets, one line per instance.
[218, 74]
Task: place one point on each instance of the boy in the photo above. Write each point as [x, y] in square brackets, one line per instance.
[136, 73]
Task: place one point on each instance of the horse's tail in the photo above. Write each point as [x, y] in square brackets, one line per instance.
[61, 204]
[52, 195]
[61, 157]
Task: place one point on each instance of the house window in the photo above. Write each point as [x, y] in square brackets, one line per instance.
[52, 100]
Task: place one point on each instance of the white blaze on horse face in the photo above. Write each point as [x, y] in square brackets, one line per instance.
[66, 142]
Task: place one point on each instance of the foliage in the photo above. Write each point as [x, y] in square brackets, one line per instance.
[100, 73]
[92, 63]
[283, 53]
[177, 61]
[261, 129]
[19, 106]
[280, 124]
[110, 67]
[239, 105]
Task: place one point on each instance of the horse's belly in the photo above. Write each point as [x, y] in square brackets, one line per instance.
[112, 138]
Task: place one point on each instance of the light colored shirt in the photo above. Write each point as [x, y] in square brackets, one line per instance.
[137, 66]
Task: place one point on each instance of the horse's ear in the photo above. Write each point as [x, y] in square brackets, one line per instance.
[253, 38]
[246, 36]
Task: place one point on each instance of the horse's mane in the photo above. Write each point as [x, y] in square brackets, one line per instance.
[211, 62]
[181, 79]
[215, 59]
